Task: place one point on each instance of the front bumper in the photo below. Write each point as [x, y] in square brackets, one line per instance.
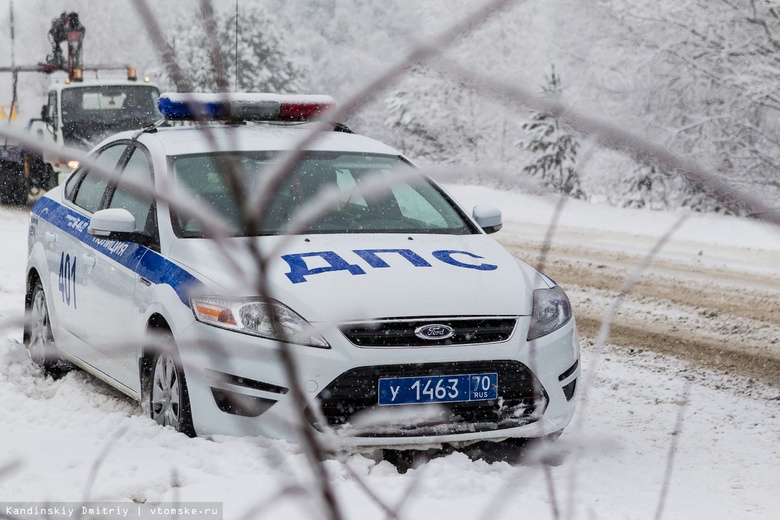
[238, 386]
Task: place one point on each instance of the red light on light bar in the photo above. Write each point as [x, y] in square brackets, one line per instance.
[302, 111]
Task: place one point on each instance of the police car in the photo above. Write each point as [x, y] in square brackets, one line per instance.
[407, 324]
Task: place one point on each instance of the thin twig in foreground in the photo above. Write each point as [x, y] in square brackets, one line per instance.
[670, 458]
[601, 340]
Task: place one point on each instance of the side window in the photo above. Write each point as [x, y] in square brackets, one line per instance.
[90, 191]
[51, 111]
[70, 185]
[137, 172]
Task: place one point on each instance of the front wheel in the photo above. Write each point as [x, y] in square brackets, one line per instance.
[533, 450]
[169, 402]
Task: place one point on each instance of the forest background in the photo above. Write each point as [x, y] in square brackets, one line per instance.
[698, 77]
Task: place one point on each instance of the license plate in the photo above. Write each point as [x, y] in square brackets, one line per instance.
[438, 389]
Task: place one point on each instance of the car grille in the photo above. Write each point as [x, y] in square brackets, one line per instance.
[521, 400]
[401, 333]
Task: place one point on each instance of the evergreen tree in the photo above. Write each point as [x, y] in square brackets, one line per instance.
[648, 187]
[555, 147]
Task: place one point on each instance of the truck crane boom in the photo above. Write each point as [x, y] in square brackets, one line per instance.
[66, 28]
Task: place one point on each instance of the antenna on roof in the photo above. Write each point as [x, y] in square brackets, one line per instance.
[235, 80]
[13, 65]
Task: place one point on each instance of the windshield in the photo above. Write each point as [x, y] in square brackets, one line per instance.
[405, 207]
[91, 113]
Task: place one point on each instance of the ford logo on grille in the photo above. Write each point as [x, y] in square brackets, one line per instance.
[434, 331]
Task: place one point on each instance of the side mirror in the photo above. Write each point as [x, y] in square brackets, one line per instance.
[488, 218]
[44, 114]
[116, 224]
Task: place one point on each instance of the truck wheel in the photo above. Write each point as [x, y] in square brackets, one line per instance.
[7, 182]
[41, 175]
[13, 184]
[21, 192]
[51, 176]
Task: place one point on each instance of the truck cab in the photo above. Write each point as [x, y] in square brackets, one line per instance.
[80, 114]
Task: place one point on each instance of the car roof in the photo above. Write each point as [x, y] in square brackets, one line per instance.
[255, 137]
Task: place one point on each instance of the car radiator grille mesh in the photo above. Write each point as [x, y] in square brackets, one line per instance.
[401, 333]
[521, 400]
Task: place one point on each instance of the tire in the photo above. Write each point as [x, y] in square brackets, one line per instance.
[13, 184]
[52, 179]
[38, 337]
[518, 451]
[168, 399]
[22, 192]
[41, 175]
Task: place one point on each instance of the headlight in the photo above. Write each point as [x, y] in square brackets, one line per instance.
[251, 316]
[551, 311]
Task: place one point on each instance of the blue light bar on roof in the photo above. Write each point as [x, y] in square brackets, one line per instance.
[242, 107]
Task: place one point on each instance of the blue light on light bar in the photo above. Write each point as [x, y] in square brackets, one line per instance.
[242, 107]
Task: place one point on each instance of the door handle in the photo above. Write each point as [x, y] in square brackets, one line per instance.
[49, 237]
[89, 262]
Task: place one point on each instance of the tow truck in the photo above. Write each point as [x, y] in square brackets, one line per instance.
[78, 114]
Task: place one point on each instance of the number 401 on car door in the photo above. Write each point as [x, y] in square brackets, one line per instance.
[67, 279]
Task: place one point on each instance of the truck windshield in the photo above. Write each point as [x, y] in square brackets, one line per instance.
[92, 112]
[366, 206]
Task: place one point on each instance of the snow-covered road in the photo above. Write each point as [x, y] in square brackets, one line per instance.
[76, 439]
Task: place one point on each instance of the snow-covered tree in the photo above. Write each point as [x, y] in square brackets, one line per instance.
[254, 58]
[554, 147]
[431, 116]
[706, 76]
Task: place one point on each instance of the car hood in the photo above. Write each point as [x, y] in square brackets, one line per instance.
[340, 278]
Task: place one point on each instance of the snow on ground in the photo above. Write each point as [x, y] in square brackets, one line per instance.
[76, 439]
[704, 229]
[714, 240]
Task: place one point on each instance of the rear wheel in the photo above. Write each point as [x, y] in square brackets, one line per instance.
[39, 339]
[169, 403]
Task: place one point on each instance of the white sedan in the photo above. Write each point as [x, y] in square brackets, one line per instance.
[402, 323]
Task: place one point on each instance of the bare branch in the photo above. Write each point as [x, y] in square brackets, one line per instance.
[166, 51]
[100, 459]
[678, 428]
[601, 341]
[375, 498]
[207, 10]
